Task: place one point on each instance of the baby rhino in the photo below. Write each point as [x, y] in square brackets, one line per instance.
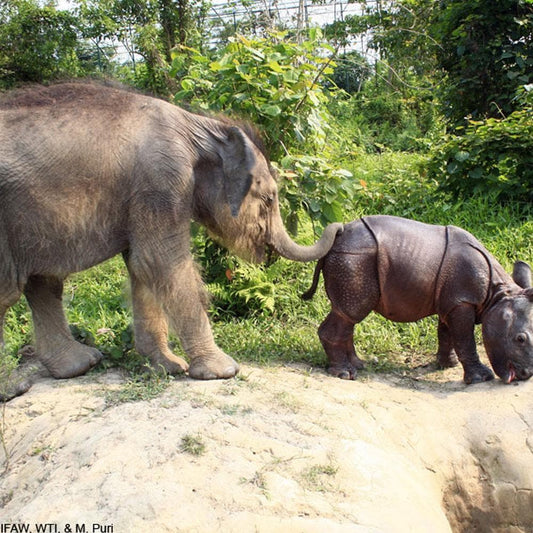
[407, 270]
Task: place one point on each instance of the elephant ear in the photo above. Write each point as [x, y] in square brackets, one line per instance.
[238, 160]
[522, 274]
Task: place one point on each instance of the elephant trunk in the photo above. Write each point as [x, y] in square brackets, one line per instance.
[287, 248]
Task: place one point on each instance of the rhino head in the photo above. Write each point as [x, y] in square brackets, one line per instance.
[508, 329]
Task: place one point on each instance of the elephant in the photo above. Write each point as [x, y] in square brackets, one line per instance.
[90, 170]
[406, 270]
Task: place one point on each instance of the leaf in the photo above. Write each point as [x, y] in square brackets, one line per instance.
[187, 84]
[344, 173]
[315, 33]
[476, 173]
[271, 110]
[274, 66]
[461, 156]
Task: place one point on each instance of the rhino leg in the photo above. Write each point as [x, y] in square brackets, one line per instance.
[354, 292]
[461, 322]
[336, 336]
[446, 356]
[55, 347]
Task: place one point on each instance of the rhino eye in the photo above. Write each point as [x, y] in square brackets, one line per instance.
[521, 338]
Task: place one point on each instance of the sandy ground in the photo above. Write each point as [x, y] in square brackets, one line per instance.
[276, 450]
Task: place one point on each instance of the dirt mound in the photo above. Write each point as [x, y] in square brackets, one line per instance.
[280, 449]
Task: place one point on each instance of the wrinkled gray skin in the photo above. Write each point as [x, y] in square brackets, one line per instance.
[407, 270]
[88, 172]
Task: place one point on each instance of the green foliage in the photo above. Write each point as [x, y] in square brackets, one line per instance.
[274, 83]
[493, 156]
[486, 50]
[239, 289]
[317, 187]
[377, 120]
[36, 43]
[351, 71]
[148, 30]
[398, 34]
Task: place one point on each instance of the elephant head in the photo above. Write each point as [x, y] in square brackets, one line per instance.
[236, 198]
[508, 329]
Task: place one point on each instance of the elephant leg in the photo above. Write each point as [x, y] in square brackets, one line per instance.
[55, 347]
[151, 329]
[9, 295]
[461, 322]
[207, 360]
[336, 336]
[177, 288]
[18, 380]
[446, 356]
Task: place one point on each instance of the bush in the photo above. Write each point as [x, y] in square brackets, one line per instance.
[275, 83]
[376, 120]
[492, 157]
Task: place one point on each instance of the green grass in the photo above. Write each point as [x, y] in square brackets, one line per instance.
[284, 329]
[138, 388]
[193, 445]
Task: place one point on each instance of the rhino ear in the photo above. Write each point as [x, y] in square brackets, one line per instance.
[529, 294]
[522, 274]
[238, 160]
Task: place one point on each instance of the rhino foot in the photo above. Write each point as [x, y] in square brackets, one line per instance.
[447, 360]
[343, 372]
[477, 374]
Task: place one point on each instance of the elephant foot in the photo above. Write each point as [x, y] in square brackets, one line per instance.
[70, 360]
[215, 365]
[170, 363]
[477, 374]
[447, 360]
[19, 380]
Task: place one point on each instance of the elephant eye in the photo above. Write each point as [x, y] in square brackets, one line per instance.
[521, 338]
[268, 199]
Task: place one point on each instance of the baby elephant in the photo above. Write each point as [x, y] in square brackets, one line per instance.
[406, 270]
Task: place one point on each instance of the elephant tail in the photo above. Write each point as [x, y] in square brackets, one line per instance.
[307, 295]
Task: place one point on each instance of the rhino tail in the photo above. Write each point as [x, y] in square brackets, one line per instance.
[307, 295]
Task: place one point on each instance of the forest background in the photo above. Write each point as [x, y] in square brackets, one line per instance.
[413, 108]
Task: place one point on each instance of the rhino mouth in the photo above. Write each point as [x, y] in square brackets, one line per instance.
[511, 374]
[514, 373]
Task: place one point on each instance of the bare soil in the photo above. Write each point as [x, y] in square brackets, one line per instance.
[282, 449]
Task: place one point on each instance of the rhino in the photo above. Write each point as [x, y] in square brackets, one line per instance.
[406, 270]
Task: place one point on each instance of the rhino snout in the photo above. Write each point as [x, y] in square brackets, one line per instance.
[515, 372]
